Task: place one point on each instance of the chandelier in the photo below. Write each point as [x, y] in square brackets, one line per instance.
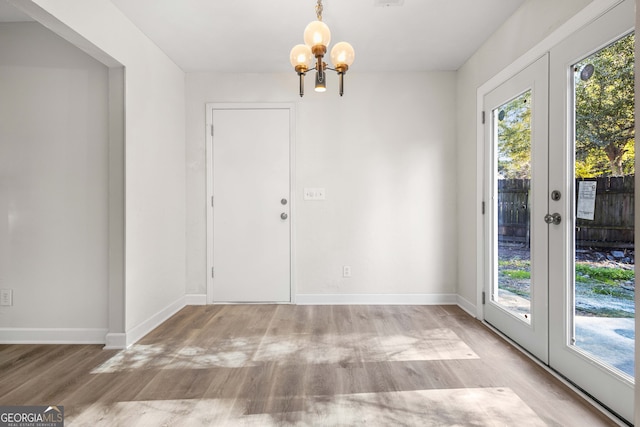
[316, 40]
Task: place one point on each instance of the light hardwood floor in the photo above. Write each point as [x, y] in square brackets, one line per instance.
[268, 365]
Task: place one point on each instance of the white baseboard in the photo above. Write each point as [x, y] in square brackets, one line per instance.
[376, 299]
[136, 333]
[464, 304]
[115, 341]
[52, 336]
[196, 299]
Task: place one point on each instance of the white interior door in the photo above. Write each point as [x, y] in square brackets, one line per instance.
[516, 187]
[251, 241]
[590, 347]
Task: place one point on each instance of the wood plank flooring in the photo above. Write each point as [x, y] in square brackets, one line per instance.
[271, 365]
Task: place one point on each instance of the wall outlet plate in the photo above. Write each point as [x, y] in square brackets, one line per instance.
[346, 271]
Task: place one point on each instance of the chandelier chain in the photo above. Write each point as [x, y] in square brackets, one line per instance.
[319, 10]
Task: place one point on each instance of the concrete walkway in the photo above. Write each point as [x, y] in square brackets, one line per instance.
[608, 339]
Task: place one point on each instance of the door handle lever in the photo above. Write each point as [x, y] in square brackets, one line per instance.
[553, 218]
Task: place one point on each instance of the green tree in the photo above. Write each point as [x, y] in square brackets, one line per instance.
[514, 138]
[604, 97]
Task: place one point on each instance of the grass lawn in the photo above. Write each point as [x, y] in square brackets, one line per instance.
[602, 289]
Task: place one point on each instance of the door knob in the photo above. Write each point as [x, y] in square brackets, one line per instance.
[553, 218]
[284, 215]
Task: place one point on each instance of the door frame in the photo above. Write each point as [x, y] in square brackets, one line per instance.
[210, 108]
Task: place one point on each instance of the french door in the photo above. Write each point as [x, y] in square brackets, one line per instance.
[516, 126]
[591, 271]
[559, 185]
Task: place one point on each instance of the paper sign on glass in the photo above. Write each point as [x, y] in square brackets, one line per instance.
[586, 200]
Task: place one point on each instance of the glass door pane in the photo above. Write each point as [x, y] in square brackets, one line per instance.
[512, 124]
[604, 282]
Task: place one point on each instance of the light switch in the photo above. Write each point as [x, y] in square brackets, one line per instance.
[6, 297]
[314, 194]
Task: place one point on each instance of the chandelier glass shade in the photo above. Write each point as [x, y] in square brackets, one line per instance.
[317, 33]
[317, 38]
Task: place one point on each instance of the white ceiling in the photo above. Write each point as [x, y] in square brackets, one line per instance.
[257, 35]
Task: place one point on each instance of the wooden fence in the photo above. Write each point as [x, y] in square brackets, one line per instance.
[612, 226]
[513, 210]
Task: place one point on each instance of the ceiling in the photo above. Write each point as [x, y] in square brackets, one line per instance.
[257, 35]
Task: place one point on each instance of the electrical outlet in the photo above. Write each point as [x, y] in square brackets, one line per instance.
[346, 271]
[6, 297]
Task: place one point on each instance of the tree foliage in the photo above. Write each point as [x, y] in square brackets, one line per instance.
[514, 137]
[604, 100]
[604, 118]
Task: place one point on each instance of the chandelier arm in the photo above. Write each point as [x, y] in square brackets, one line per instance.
[310, 69]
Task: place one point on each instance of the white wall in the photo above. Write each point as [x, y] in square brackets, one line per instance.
[155, 152]
[53, 186]
[531, 23]
[385, 152]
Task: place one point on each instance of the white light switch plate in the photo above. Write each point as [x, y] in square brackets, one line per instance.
[314, 194]
[6, 297]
